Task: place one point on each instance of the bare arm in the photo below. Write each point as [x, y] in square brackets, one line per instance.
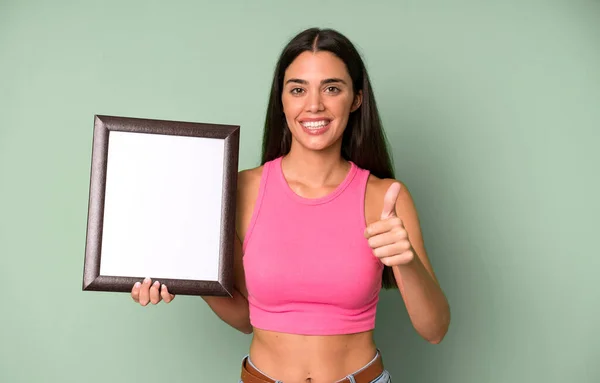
[397, 240]
[424, 299]
[234, 311]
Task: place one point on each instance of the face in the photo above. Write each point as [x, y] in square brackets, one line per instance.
[317, 99]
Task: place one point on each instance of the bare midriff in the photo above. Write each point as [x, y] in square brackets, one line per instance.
[310, 359]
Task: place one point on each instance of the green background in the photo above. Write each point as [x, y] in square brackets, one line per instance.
[493, 111]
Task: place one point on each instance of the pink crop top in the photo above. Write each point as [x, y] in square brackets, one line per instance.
[309, 269]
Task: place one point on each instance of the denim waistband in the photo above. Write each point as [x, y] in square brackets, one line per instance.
[349, 377]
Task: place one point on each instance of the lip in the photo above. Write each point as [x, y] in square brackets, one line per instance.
[314, 119]
[317, 131]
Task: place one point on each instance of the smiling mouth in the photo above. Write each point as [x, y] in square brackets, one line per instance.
[315, 125]
[315, 128]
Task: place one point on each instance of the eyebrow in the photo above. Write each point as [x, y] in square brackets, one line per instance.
[326, 81]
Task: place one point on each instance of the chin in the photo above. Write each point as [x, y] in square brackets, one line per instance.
[318, 144]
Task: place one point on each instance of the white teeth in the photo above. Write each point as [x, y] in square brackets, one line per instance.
[315, 124]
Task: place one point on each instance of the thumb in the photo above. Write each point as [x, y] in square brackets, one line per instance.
[389, 201]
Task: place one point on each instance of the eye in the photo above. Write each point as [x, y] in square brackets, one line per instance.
[332, 89]
[296, 91]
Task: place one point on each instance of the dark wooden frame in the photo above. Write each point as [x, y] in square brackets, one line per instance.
[103, 125]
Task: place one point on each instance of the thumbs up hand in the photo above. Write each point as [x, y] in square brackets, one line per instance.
[388, 237]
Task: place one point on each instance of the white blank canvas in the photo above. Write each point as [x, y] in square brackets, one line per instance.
[156, 219]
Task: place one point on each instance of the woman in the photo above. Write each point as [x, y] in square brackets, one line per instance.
[322, 226]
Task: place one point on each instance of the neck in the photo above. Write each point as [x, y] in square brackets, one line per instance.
[315, 168]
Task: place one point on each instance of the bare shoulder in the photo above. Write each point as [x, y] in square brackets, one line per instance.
[249, 179]
[248, 185]
[375, 193]
[378, 185]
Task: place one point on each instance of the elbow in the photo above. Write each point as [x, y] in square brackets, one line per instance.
[436, 340]
[436, 337]
[244, 326]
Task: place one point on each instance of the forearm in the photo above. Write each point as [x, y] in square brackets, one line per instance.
[233, 311]
[425, 301]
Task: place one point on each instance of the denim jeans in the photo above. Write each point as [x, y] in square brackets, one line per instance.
[385, 376]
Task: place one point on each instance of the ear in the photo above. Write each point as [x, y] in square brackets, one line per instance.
[357, 101]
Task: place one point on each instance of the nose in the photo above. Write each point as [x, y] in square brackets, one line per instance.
[314, 103]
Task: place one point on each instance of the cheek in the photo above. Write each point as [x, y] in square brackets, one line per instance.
[340, 107]
[291, 107]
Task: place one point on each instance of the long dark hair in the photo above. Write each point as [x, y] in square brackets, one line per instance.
[364, 141]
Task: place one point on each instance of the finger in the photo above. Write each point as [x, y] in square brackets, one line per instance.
[145, 292]
[383, 226]
[154, 294]
[389, 201]
[135, 291]
[392, 250]
[398, 259]
[388, 238]
[166, 296]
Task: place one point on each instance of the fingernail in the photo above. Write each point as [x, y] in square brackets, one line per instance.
[156, 283]
[163, 286]
[147, 280]
[137, 284]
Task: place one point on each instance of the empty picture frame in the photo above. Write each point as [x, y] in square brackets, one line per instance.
[161, 205]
